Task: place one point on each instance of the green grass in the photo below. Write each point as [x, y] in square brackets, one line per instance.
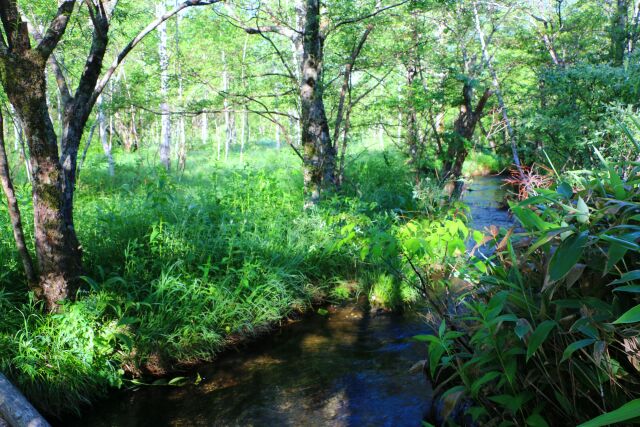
[479, 163]
[180, 265]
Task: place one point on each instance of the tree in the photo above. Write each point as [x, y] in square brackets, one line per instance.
[307, 36]
[22, 74]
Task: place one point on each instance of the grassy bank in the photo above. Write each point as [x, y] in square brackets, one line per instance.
[179, 265]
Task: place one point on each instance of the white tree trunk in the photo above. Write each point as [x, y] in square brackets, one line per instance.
[182, 137]
[165, 136]
[245, 133]
[229, 119]
[104, 140]
[204, 130]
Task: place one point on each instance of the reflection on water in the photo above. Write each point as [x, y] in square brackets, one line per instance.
[349, 368]
[486, 200]
[485, 196]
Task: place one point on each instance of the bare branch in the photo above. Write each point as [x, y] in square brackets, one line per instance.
[369, 15]
[347, 78]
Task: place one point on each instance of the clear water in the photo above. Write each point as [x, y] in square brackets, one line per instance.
[485, 196]
[347, 368]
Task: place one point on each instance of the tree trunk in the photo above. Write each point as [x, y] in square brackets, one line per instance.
[104, 140]
[14, 211]
[464, 128]
[18, 143]
[57, 248]
[165, 137]
[619, 34]
[204, 129]
[496, 85]
[245, 133]
[318, 151]
[16, 409]
[229, 117]
[182, 138]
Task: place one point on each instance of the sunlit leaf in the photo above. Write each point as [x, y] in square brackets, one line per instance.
[626, 412]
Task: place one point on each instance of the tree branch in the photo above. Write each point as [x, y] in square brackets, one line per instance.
[345, 84]
[61, 81]
[482, 102]
[137, 39]
[56, 29]
[16, 30]
[369, 15]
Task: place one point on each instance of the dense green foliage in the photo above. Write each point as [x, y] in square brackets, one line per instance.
[535, 325]
[178, 267]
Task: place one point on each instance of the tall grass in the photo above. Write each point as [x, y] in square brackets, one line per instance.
[178, 266]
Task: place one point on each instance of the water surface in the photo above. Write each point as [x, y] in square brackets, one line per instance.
[347, 368]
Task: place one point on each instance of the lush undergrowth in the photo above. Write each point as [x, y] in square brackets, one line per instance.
[543, 329]
[481, 163]
[181, 265]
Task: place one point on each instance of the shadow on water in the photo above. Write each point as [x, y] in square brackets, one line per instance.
[348, 368]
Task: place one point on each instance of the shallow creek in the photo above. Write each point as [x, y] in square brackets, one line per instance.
[349, 367]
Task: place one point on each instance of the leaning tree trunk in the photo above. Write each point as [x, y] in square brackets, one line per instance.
[16, 409]
[14, 211]
[464, 128]
[318, 151]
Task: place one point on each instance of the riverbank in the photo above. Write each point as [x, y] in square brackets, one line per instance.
[179, 267]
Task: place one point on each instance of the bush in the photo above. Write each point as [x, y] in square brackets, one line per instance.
[550, 333]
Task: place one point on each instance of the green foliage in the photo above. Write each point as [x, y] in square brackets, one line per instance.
[545, 330]
[177, 267]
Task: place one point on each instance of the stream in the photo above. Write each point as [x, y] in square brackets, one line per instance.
[349, 367]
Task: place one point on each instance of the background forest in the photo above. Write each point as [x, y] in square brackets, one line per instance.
[181, 176]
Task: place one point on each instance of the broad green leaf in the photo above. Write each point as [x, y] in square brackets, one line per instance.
[488, 377]
[626, 412]
[523, 327]
[615, 253]
[536, 420]
[565, 190]
[426, 338]
[567, 255]
[629, 288]
[574, 274]
[616, 184]
[631, 316]
[629, 276]
[178, 381]
[575, 346]
[530, 220]
[625, 243]
[512, 403]
[436, 350]
[539, 336]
